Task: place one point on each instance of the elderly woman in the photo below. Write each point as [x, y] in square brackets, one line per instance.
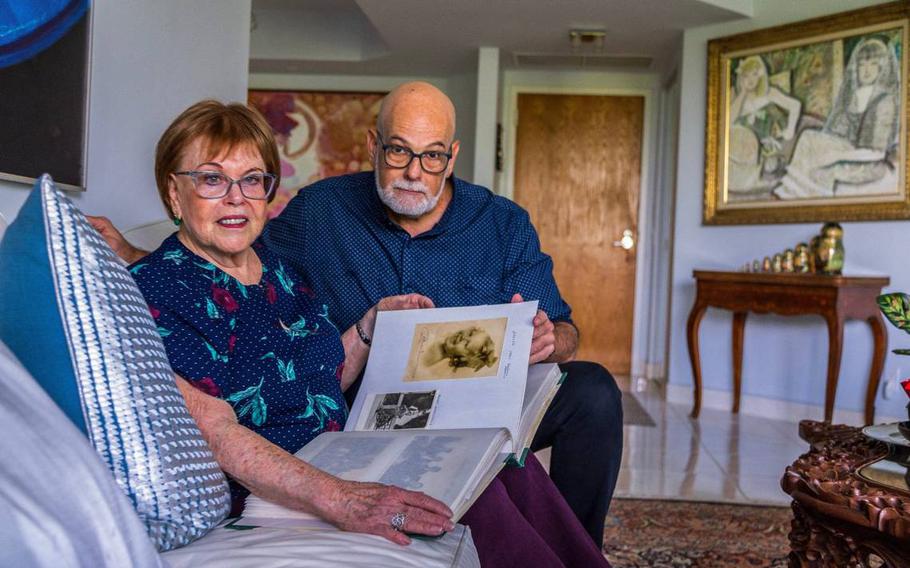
[262, 367]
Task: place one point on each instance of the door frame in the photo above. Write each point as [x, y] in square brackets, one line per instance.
[644, 280]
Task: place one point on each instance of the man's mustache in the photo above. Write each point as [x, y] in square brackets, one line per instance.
[411, 186]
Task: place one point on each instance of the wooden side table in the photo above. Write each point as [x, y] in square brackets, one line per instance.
[840, 517]
[835, 298]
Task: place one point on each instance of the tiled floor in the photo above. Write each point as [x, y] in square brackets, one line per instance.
[721, 457]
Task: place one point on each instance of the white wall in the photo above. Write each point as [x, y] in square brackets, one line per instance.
[148, 63]
[462, 89]
[785, 358]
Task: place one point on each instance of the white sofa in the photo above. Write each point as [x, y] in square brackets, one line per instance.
[61, 507]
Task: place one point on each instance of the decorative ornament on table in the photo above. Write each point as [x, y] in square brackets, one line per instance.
[829, 255]
[786, 265]
[777, 262]
[813, 247]
[766, 264]
[896, 307]
[801, 258]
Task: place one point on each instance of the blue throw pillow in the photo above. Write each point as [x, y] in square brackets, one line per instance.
[74, 317]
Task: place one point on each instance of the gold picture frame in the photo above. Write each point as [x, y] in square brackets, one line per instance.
[807, 122]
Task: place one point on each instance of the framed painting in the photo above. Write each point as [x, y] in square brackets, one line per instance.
[808, 121]
[319, 135]
[45, 50]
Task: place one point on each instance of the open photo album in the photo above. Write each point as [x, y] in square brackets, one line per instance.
[447, 399]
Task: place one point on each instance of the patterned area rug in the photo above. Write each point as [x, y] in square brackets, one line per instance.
[668, 534]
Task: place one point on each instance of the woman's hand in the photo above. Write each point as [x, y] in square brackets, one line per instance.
[370, 508]
[356, 348]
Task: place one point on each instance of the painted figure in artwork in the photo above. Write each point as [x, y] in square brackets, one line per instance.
[762, 118]
[855, 152]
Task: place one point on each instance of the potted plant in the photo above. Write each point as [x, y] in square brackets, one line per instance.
[896, 307]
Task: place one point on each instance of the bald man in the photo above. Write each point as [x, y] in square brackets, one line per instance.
[411, 226]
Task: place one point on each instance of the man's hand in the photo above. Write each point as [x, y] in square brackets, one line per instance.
[392, 303]
[551, 342]
[404, 302]
[369, 508]
[115, 239]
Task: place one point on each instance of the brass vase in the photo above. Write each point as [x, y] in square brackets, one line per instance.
[829, 255]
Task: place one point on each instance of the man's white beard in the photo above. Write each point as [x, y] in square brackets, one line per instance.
[411, 206]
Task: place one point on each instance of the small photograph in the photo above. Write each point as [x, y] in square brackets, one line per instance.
[456, 350]
[401, 410]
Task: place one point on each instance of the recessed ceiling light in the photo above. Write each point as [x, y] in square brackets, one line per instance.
[591, 39]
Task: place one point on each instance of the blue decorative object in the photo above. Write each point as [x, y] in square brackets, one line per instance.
[27, 27]
[74, 317]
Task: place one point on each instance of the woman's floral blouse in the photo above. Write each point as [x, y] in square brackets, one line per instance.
[270, 349]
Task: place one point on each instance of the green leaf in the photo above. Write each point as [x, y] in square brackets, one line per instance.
[241, 395]
[138, 267]
[175, 256]
[287, 370]
[325, 315]
[244, 410]
[242, 289]
[326, 401]
[163, 332]
[307, 413]
[896, 307]
[901, 351]
[215, 355]
[211, 309]
[259, 410]
[284, 279]
[269, 355]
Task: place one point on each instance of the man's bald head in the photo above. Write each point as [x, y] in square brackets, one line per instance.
[419, 104]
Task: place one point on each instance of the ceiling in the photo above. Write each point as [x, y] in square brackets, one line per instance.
[435, 37]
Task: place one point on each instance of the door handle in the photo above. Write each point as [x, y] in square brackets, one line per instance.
[626, 242]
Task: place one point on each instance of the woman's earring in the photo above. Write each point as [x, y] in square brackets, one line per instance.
[177, 221]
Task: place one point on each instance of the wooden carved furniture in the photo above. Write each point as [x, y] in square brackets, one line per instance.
[840, 518]
[835, 298]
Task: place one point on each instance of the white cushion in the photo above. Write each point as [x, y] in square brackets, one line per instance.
[151, 235]
[279, 547]
[59, 504]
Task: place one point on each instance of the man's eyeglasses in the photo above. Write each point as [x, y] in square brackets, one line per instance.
[215, 185]
[400, 157]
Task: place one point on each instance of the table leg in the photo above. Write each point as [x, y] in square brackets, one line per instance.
[698, 310]
[739, 324]
[880, 339]
[835, 349]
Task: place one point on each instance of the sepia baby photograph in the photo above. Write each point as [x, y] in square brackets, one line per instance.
[456, 350]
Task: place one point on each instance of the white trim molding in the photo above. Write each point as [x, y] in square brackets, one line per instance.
[768, 407]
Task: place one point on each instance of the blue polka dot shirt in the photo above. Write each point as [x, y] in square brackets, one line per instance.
[484, 249]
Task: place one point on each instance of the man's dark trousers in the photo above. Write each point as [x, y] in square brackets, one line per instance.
[584, 427]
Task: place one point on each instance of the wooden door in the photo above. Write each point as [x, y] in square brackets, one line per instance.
[578, 167]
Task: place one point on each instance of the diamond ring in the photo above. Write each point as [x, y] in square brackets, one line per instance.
[398, 520]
